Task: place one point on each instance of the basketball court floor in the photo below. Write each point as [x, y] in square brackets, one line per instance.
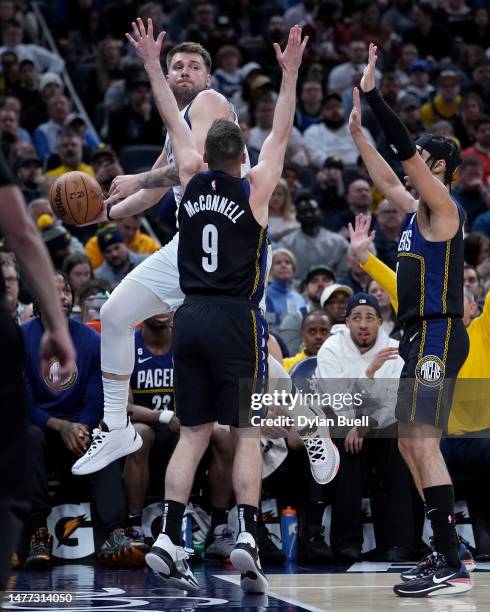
[362, 587]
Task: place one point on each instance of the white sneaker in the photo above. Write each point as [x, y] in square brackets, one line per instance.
[106, 447]
[245, 558]
[322, 453]
[169, 562]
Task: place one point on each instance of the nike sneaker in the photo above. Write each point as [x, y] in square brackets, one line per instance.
[121, 549]
[169, 562]
[107, 446]
[219, 544]
[245, 558]
[40, 549]
[428, 561]
[436, 579]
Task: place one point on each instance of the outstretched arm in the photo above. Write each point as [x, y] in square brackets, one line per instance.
[264, 177]
[148, 49]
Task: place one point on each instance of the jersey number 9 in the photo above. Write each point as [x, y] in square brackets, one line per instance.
[210, 247]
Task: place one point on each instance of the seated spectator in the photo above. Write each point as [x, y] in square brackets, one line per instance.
[477, 251]
[481, 148]
[11, 294]
[137, 122]
[334, 300]
[319, 276]
[359, 201]
[106, 167]
[46, 135]
[472, 281]
[447, 101]
[420, 85]
[309, 105]
[136, 241]
[77, 123]
[26, 90]
[92, 288]
[29, 176]
[118, 259]
[315, 329]
[481, 81]
[388, 224]
[70, 151]
[58, 240]
[242, 98]
[82, 44]
[79, 272]
[282, 214]
[280, 298]
[428, 35]
[108, 66]
[470, 191]
[332, 136]
[342, 77]
[408, 53]
[370, 28]
[9, 66]
[388, 315]
[465, 125]
[12, 36]
[312, 243]
[61, 420]
[264, 114]
[356, 278]
[227, 78]
[329, 190]
[398, 16]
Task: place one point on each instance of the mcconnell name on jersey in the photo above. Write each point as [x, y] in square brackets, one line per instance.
[215, 203]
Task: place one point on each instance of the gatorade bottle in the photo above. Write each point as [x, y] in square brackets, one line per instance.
[289, 532]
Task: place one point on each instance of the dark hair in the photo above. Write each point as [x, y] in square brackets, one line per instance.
[483, 120]
[36, 311]
[318, 312]
[74, 260]
[190, 47]
[224, 145]
[473, 244]
[470, 162]
[442, 147]
[99, 284]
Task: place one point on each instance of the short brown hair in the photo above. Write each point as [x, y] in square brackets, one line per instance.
[224, 145]
[190, 47]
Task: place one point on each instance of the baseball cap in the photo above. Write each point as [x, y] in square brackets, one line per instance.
[108, 236]
[248, 68]
[103, 151]
[333, 161]
[50, 77]
[259, 81]
[20, 162]
[419, 64]
[448, 74]
[362, 299]
[329, 291]
[72, 117]
[409, 101]
[319, 268]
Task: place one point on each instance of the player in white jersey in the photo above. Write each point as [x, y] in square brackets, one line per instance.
[153, 286]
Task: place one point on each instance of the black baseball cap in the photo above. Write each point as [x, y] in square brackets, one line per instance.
[362, 299]
[333, 161]
[319, 268]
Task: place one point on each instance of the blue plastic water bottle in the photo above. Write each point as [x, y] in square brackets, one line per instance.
[289, 532]
[187, 530]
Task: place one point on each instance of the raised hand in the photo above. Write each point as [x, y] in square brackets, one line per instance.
[368, 80]
[355, 115]
[290, 58]
[142, 41]
[360, 237]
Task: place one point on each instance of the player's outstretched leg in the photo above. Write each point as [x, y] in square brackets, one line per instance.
[116, 437]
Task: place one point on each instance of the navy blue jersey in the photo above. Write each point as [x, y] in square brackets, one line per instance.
[429, 275]
[222, 248]
[152, 381]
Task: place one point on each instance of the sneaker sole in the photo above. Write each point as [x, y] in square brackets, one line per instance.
[162, 570]
[251, 581]
[461, 585]
[101, 462]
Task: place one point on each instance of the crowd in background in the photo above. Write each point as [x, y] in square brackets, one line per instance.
[433, 70]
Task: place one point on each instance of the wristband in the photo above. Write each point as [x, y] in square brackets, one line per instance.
[165, 416]
[108, 211]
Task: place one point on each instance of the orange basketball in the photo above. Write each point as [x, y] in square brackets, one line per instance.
[76, 198]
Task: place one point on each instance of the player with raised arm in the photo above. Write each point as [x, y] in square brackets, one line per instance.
[220, 334]
[430, 306]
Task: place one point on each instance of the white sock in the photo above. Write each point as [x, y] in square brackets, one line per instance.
[115, 402]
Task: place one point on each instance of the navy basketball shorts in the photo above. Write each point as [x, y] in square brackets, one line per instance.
[434, 351]
[220, 359]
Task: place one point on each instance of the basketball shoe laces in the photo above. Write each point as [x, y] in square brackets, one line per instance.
[315, 447]
[431, 563]
[98, 438]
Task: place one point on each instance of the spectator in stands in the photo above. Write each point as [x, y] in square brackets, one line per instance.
[470, 191]
[83, 41]
[481, 81]
[359, 201]
[61, 420]
[431, 39]
[356, 278]
[242, 98]
[329, 190]
[342, 77]
[79, 272]
[12, 36]
[77, 123]
[46, 135]
[388, 315]
[50, 84]
[137, 122]
[331, 137]
[282, 214]
[58, 240]
[398, 16]
[280, 297]
[118, 259]
[420, 86]
[134, 238]
[481, 149]
[362, 350]
[26, 91]
[309, 105]
[334, 300]
[29, 176]
[264, 114]
[70, 151]
[108, 64]
[301, 13]
[227, 78]
[10, 128]
[11, 298]
[389, 220]
[312, 243]
[370, 28]
[93, 287]
[472, 281]
[106, 167]
[315, 329]
[447, 101]
[465, 124]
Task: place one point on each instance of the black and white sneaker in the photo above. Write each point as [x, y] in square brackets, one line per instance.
[245, 558]
[169, 562]
[436, 579]
[428, 561]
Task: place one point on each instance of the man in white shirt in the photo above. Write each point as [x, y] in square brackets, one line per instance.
[332, 136]
[341, 78]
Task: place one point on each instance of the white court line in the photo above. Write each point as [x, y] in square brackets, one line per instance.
[290, 600]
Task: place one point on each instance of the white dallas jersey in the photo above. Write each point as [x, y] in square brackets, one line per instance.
[170, 153]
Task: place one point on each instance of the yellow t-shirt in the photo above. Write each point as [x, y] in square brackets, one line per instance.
[141, 243]
[60, 170]
[290, 362]
[435, 110]
[470, 409]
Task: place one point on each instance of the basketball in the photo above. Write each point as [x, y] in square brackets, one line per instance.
[76, 198]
